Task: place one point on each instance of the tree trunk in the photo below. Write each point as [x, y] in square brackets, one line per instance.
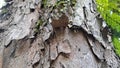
[54, 34]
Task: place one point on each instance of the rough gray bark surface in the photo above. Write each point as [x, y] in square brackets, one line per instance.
[78, 40]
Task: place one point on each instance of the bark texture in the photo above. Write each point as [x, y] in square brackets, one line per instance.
[33, 35]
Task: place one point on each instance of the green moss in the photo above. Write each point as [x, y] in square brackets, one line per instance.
[39, 23]
[60, 5]
[73, 2]
[4, 11]
[63, 2]
[44, 3]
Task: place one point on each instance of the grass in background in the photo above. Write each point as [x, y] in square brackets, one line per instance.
[110, 11]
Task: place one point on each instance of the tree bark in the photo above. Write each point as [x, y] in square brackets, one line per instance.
[39, 34]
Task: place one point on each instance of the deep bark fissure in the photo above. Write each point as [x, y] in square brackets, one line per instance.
[70, 38]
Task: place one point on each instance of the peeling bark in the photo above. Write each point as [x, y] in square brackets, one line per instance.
[72, 38]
